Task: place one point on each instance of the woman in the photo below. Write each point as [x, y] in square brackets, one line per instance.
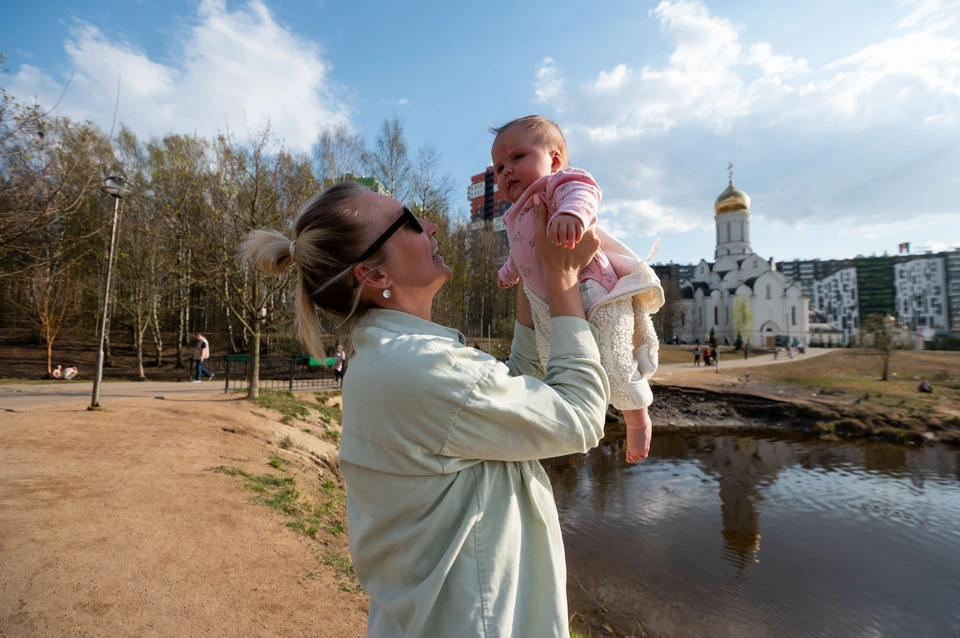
[339, 359]
[452, 524]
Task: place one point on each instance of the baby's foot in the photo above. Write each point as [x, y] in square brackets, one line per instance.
[639, 432]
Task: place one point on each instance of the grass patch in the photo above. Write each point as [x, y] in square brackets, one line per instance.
[279, 464]
[285, 403]
[312, 513]
[343, 572]
[328, 413]
[286, 443]
[333, 434]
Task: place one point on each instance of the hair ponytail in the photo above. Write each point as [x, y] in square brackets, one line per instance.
[328, 236]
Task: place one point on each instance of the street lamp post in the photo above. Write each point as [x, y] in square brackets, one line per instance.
[117, 187]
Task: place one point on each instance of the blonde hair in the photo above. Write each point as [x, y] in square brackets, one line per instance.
[327, 240]
[544, 130]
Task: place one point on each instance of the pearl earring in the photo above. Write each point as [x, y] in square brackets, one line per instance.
[386, 293]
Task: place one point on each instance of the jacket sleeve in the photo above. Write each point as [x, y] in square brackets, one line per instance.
[508, 273]
[520, 418]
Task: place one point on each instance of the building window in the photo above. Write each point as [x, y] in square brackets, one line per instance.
[716, 316]
[793, 315]
[741, 232]
[728, 231]
[768, 292]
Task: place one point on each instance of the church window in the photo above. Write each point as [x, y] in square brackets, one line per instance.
[741, 231]
[700, 316]
[768, 292]
[728, 231]
[726, 315]
[793, 315]
[716, 316]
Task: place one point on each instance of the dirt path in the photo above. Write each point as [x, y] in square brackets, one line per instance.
[112, 525]
[33, 395]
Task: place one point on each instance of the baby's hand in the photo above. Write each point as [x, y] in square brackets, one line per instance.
[565, 230]
[503, 285]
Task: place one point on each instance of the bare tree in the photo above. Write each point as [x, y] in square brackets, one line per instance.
[338, 152]
[878, 332]
[430, 189]
[250, 188]
[665, 321]
[177, 167]
[389, 163]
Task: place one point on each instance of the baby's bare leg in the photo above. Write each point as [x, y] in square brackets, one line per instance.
[639, 433]
[628, 391]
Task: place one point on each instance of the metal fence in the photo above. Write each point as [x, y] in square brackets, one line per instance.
[299, 372]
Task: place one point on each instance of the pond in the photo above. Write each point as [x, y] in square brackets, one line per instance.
[763, 533]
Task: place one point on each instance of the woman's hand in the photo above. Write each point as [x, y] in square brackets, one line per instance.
[561, 261]
[561, 266]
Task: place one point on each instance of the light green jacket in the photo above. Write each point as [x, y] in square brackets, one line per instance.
[453, 527]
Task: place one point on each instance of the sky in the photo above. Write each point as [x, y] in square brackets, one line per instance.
[841, 117]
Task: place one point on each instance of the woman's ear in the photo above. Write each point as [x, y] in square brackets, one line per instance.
[376, 279]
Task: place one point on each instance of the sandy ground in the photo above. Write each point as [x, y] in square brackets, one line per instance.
[111, 525]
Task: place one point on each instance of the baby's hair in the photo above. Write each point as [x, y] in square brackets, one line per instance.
[544, 130]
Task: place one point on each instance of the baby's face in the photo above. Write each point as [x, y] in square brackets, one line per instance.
[519, 159]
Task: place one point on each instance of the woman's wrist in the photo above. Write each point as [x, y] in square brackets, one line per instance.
[563, 293]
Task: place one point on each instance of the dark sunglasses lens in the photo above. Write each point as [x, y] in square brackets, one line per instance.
[412, 221]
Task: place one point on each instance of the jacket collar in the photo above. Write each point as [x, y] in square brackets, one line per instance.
[404, 323]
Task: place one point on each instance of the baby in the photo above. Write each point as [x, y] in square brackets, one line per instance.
[618, 289]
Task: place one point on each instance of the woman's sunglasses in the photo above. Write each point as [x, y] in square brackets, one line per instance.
[406, 217]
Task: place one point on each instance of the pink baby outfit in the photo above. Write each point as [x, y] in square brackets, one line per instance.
[571, 191]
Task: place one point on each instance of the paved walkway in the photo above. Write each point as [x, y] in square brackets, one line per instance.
[731, 360]
[18, 397]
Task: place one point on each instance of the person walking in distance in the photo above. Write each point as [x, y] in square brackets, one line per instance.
[200, 354]
[696, 357]
[340, 359]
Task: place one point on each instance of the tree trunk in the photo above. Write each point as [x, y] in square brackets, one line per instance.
[49, 356]
[886, 366]
[138, 346]
[180, 335]
[253, 388]
[155, 329]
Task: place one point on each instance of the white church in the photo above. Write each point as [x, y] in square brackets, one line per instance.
[741, 278]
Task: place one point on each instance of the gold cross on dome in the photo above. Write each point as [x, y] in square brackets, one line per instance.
[730, 172]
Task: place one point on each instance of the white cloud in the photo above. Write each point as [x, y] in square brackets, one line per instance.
[615, 78]
[236, 68]
[930, 11]
[761, 55]
[645, 217]
[827, 130]
[548, 84]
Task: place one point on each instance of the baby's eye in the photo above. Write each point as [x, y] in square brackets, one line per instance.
[518, 156]
[498, 169]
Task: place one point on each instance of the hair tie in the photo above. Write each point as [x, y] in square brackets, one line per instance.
[293, 247]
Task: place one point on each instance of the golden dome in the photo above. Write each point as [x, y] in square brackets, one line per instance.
[732, 200]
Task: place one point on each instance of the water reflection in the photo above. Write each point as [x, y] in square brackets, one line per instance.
[853, 535]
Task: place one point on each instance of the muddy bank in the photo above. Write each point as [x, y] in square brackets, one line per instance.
[677, 406]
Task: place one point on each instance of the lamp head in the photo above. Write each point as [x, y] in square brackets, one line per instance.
[116, 186]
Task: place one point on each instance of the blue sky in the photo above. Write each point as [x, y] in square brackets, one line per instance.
[842, 118]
